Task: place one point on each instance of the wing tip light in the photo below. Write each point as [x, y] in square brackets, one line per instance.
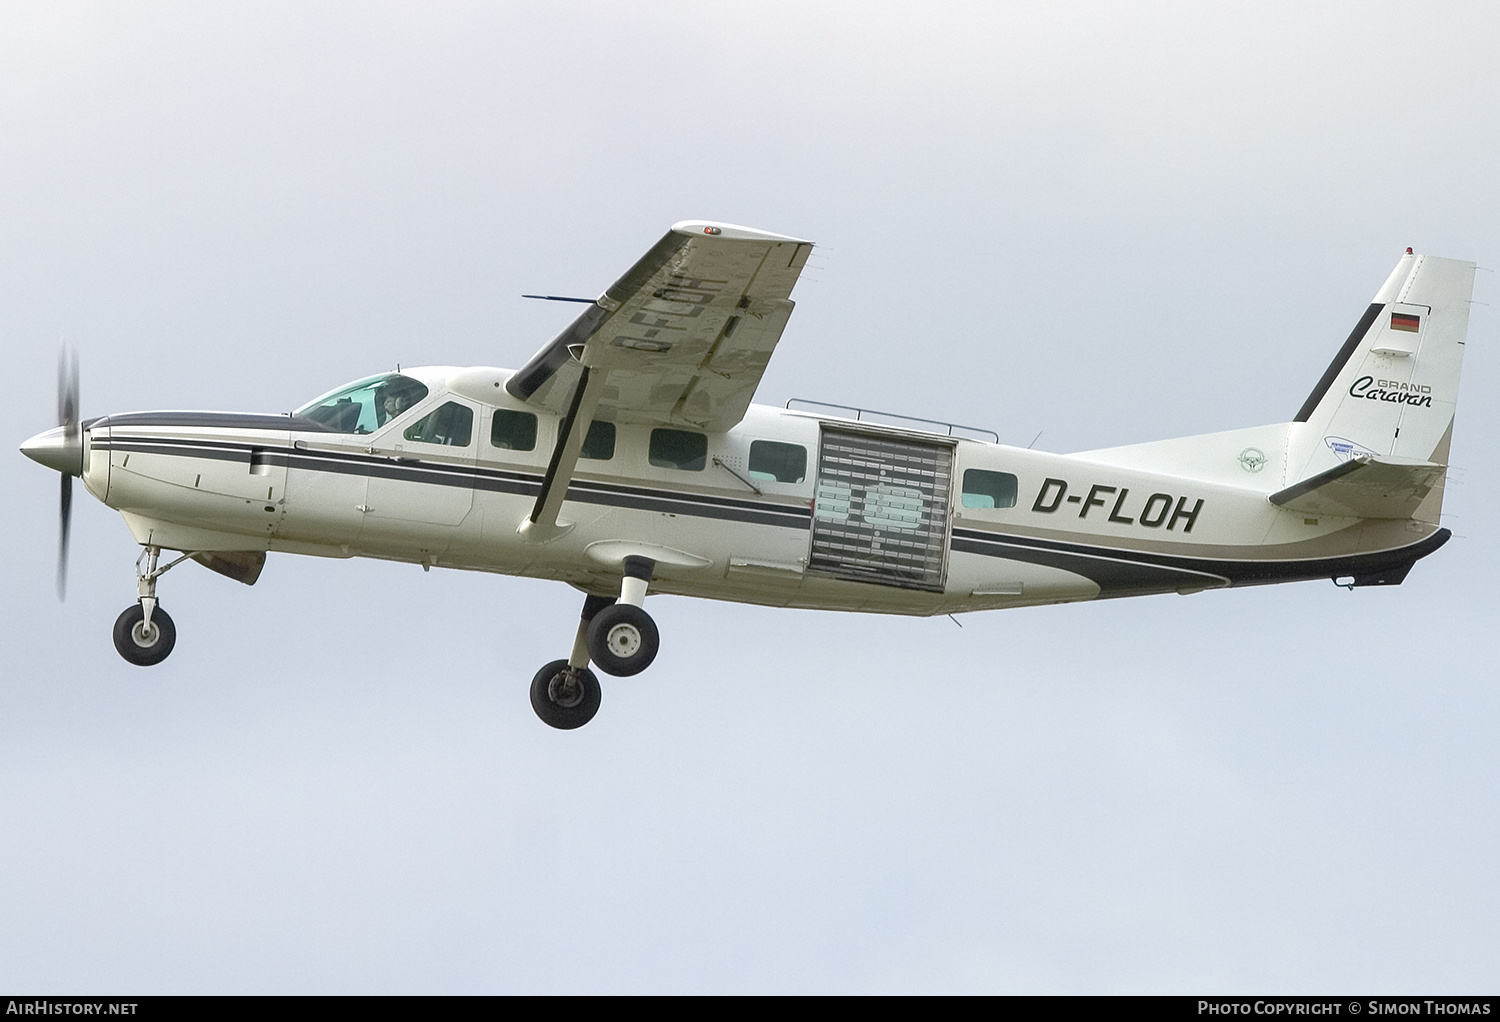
[731, 232]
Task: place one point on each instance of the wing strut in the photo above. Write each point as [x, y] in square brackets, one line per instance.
[542, 524]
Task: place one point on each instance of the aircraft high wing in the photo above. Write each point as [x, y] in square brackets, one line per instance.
[681, 340]
[683, 337]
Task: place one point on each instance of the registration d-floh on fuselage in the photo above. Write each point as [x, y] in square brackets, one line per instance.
[626, 457]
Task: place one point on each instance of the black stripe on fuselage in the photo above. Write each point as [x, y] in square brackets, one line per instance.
[213, 420]
[184, 448]
[697, 505]
[1113, 575]
[1122, 571]
[1116, 571]
[488, 479]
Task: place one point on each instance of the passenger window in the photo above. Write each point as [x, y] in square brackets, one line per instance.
[989, 489]
[513, 431]
[785, 463]
[451, 424]
[677, 448]
[599, 445]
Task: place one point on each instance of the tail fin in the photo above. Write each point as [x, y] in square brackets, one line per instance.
[1392, 389]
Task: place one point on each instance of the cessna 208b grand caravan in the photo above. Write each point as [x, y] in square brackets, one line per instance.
[626, 457]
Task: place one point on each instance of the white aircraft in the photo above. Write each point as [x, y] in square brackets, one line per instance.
[626, 457]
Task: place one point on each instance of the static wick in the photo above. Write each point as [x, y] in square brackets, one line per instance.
[955, 620]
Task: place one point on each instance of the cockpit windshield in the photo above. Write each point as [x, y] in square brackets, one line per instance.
[366, 405]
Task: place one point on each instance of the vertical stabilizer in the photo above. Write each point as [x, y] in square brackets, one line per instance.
[1392, 389]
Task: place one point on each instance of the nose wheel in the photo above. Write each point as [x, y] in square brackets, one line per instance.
[144, 643]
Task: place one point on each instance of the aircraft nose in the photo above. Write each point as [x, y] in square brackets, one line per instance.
[57, 450]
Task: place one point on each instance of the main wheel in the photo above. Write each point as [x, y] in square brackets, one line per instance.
[565, 697]
[139, 644]
[623, 640]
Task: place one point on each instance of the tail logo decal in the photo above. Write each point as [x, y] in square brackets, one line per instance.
[1346, 449]
[1371, 389]
[1252, 459]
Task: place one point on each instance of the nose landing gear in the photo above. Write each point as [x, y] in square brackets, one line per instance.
[619, 637]
[144, 633]
[144, 643]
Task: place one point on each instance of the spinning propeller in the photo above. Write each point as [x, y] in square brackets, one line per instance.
[67, 418]
[61, 449]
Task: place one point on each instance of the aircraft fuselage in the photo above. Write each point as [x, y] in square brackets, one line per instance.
[877, 518]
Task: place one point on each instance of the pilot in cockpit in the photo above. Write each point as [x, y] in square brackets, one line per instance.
[395, 398]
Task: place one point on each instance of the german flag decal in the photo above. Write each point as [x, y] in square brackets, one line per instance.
[1405, 321]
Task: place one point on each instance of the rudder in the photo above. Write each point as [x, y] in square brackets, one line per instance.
[1392, 389]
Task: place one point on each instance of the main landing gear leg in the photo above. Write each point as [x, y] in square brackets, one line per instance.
[144, 633]
[592, 605]
[622, 638]
[619, 636]
[565, 693]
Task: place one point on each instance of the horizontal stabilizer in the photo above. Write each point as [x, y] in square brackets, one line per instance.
[1364, 487]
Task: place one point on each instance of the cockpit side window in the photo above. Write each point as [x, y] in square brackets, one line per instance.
[398, 394]
[366, 405]
[451, 424]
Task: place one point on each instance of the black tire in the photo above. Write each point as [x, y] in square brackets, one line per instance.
[623, 640]
[556, 705]
[139, 648]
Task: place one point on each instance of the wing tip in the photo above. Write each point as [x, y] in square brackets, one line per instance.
[732, 232]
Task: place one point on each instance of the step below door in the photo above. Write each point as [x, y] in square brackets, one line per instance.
[881, 513]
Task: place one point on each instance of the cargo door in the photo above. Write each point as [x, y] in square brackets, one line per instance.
[881, 510]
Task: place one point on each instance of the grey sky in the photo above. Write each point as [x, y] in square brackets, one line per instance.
[1111, 223]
